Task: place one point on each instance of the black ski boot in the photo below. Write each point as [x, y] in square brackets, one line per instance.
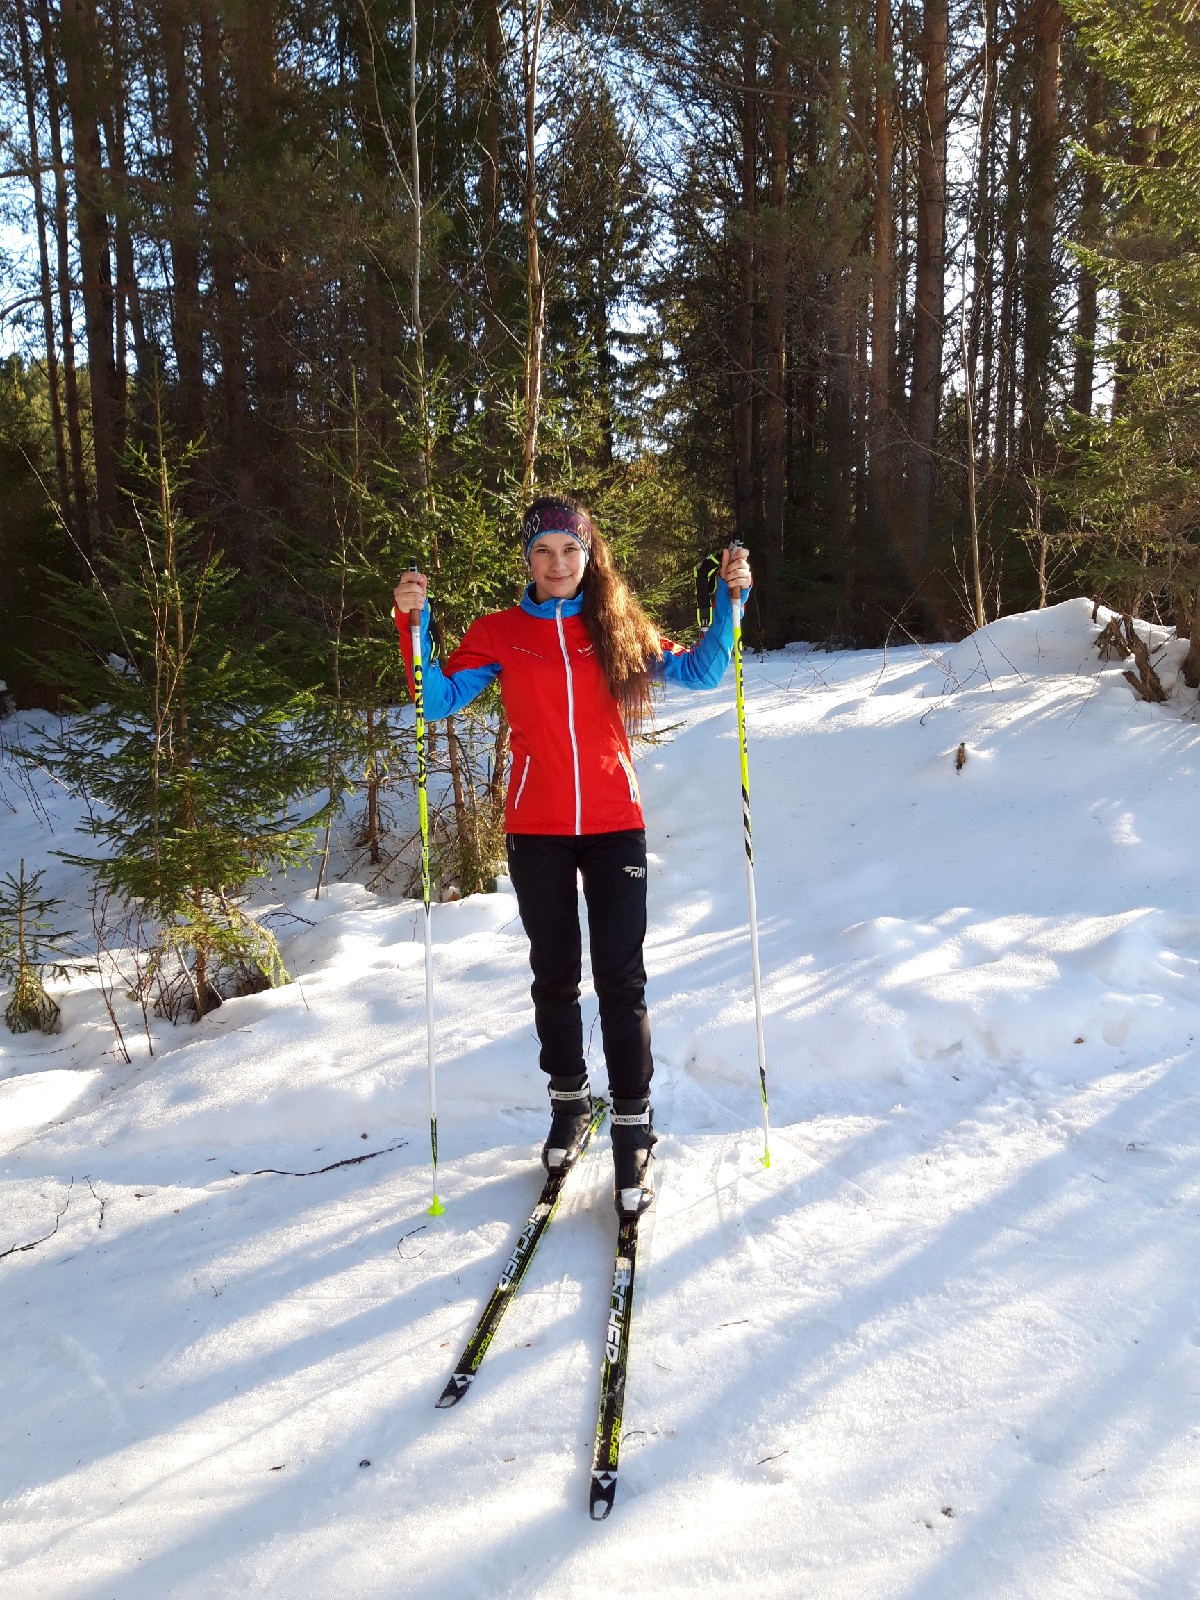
[571, 1108]
[633, 1140]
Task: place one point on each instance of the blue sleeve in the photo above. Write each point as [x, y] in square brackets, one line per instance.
[467, 673]
[703, 666]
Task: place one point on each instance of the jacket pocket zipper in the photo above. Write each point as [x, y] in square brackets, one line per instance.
[630, 779]
[521, 787]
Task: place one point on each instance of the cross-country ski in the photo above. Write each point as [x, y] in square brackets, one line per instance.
[514, 1270]
[613, 1372]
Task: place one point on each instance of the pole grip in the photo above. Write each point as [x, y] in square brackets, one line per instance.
[734, 545]
[414, 616]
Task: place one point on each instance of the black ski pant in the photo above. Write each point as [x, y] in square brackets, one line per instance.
[543, 869]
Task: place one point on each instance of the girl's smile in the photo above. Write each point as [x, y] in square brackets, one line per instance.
[556, 563]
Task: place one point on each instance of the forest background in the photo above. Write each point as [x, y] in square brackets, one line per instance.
[906, 296]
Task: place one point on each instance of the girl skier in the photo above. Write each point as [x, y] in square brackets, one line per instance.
[577, 660]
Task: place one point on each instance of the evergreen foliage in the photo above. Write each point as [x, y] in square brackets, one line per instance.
[458, 520]
[31, 538]
[193, 752]
[28, 943]
[341, 636]
[781, 248]
[1136, 497]
[750, 255]
[600, 222]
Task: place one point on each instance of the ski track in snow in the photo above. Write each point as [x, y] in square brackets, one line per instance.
[947, 1345]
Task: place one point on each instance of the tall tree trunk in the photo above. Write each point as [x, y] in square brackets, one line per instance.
[489, 204]
[838, 334]
[883, 279]
[746, 223]
[1143, 141]
[862, 72]
[416, 272]
[839, 429]
[78, 518]
[1039, 243]
[601, 336]
[531, 39]
[1006, 332]
[380, 160]
[130, 325]
[904, 230]
[974, 314]
[463, 817]
[493, 324]
[29, 89]
[1090, 217]
[979, 326]
[978, 609]
[861, 316]
[252, 26]
[776, 255]
[929, 298]
[183, 232]
[227, 308]
[81, 54]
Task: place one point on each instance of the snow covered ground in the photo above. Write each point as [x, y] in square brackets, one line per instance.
[948, 1345]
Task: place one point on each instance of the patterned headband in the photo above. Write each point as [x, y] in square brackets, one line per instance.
[551, 516]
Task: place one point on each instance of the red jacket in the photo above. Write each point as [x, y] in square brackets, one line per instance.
[571, 770]
[570, 766]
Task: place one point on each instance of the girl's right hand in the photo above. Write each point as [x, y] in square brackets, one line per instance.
[735, 568]
[410, 592]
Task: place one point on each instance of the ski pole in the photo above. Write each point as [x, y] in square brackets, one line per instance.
[435, 1207]
[734, 546]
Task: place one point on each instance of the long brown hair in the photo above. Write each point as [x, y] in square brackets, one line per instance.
[626, 642]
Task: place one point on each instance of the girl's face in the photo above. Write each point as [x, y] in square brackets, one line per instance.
[556, 563]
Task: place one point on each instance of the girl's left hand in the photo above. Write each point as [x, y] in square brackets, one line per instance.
[735, 569]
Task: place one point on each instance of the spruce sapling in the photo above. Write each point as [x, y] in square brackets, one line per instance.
[194, 754]
[26, 937]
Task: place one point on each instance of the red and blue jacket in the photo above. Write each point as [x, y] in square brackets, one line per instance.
[571, 770]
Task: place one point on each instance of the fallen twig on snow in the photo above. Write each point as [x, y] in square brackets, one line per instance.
[16, 1249]
[101, 1201]
[350, 1161]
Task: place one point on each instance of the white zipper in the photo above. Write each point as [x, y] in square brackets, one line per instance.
[562, 640]
[521, 788]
